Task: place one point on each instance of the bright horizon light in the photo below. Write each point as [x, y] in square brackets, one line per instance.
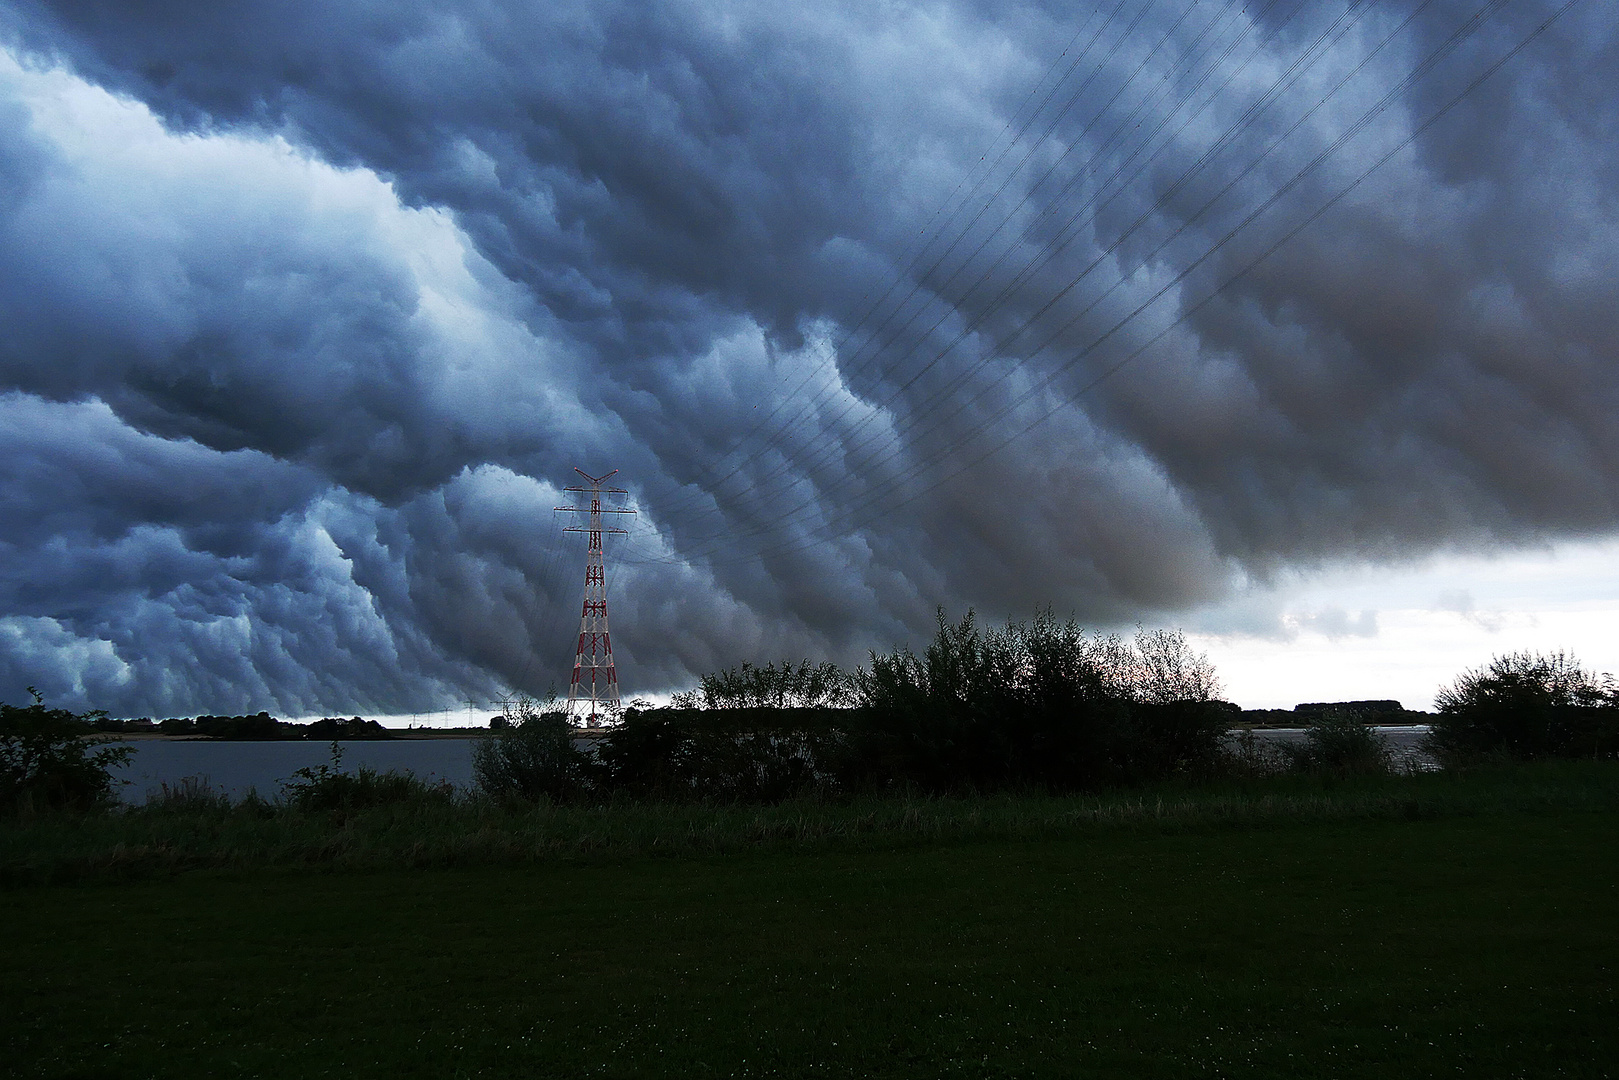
[1402, 634]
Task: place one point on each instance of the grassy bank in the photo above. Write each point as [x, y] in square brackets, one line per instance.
[1341, 939]
[445, 832]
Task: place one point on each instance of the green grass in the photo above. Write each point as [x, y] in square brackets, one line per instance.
[1324, 933]
[1479, 946]
[436, 832]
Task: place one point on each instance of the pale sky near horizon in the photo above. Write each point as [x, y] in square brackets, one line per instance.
[1382, 632]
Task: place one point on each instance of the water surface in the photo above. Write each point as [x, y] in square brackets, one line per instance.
[237, 767]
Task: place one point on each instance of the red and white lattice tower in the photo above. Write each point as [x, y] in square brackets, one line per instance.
[595, 683]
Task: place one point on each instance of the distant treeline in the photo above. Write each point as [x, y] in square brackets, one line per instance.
[257, 727]
[1377, 711]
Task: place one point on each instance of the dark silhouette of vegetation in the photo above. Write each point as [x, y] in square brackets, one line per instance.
[1526, 705]
[1382, 711]
[748, 754]
[256, 727]
[1039, 703]
[353, 728]
[1364, 708]
[1041, 706]
[801, 685]
[1342, 742]
[49, 762]
[187, 795]
[531, 757]
[329, 788]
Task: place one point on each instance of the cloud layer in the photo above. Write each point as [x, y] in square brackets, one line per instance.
[310, 311]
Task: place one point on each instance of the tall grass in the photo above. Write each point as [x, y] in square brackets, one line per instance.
[431, 828]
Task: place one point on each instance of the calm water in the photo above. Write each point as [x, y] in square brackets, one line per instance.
[234, 767]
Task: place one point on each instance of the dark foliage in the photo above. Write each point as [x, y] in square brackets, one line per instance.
[353, 728]
[724, 755]
[189, 794]
[260, 727]
[801, 685]
[330, 788]
[48, 762]
[1342, 742]
[1039, 703]
[1527, 705]
[1380, 711]
[1364, 708]
[532, 758]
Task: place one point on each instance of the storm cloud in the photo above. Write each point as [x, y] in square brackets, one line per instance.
[307, 312]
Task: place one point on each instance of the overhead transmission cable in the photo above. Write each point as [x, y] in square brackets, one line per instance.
[851, 514]
[1462, 31]
[1055, 248]
[857, 365]
[932, 236]
[1284, 80]
[945, 394]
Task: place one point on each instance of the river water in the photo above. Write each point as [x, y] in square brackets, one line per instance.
[237, 767]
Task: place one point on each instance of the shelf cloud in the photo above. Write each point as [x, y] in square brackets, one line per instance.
[309, 312]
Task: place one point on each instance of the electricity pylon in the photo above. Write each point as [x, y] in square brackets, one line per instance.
[595, 682]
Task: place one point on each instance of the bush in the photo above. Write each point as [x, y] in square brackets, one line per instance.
[533, 758]
[1177, 738]
[186, 795]
[1526, 705]
[328, 788]
[1039, 703]
[47, 762]
[1342, 743]
[1244, 756]
[762, 754]
[790, 686]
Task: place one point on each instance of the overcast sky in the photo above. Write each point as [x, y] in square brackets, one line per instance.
[1293, 324]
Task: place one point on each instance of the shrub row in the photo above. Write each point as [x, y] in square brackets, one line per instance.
[1034, 705]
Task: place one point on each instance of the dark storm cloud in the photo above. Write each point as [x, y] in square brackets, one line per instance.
[334, 335]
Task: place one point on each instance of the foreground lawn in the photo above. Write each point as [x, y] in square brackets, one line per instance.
[1481, 945]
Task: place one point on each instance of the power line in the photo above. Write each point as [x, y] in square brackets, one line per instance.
[893, 503]
[933, 236]
[1285, 79]
[847, 517]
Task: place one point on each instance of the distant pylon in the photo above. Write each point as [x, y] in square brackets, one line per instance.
[595, 682]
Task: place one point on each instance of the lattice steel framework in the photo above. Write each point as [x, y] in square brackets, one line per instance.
[595, 682]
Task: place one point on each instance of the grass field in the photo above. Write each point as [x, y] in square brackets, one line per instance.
[1479, 943]
[428, 832]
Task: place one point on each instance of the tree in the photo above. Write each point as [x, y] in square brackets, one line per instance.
[1527, 705]
[47, 762]
[1165, 669]
[1041, 703]
[790, 685]
[532, 758]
